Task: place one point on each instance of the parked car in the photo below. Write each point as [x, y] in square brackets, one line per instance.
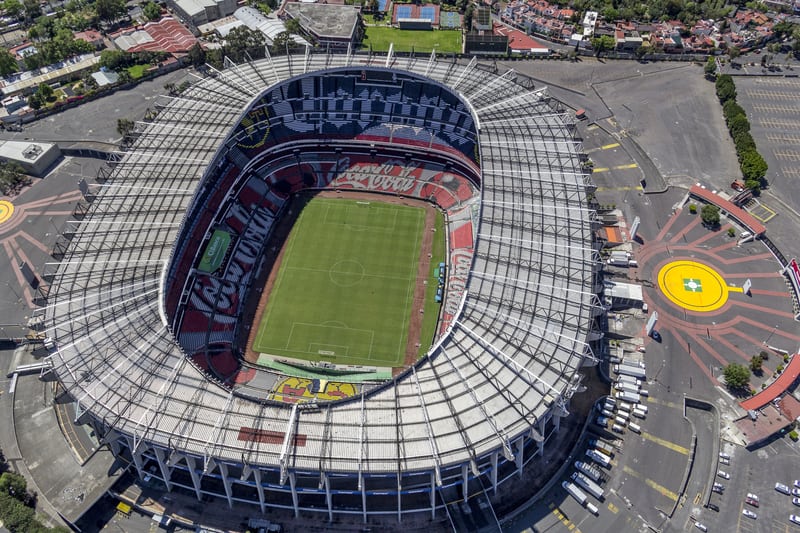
[794, 518]
[780, 487]
[749, 514]
[796, 501]
[700, 526]
[713, 507]
[797, 483]
[723, 475]
[752, 496]
[796, 492]
[751, 501]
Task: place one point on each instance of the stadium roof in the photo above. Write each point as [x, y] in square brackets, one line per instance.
[511, 357]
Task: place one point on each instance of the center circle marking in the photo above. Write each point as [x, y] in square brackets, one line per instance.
[6, 210]
[346, 273]
[693, 286]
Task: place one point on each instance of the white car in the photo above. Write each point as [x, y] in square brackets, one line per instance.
[780, 487]
[723, 475]
[796, 501]
[700, 526]
[749, 514]
[796, 492]
[794, 518]
[797, 483]
[752, 496]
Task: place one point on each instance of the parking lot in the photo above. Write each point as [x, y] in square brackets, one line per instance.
[756, 473]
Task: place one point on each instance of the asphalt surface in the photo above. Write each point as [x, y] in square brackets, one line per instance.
[97, 120]
[672, 116]
[668, 128]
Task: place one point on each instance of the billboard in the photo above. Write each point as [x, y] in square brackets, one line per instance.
[215, 251]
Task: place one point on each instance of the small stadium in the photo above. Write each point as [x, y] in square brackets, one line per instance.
[343, 286]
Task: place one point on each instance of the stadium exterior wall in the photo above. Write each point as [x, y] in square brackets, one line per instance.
[203, 456]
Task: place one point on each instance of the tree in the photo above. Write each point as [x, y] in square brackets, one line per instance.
[711, 66]
[603, 43]
[152, 11]
[753, 166]
[242, 40]
[755, 364]
[32, 9]
[7, 62]
[35, 101]
[734, 52]
[109, 10]
[732, 109]
[293, 26]
[710, 215]
[754, 186]
[13, 484]
[45, 91]
[744, 142]
[125, 126]
[736, 376]
[738, 125]
[115, 59]
[13, 8]
[197, 55]
[281, 43]
[725, 88]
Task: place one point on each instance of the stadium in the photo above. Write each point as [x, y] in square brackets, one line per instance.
[152, 308]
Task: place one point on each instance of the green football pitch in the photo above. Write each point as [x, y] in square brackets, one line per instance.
[345, 285]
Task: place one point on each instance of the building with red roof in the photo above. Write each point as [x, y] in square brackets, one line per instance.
[165, 35]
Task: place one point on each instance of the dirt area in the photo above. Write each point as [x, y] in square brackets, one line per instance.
[277, 247]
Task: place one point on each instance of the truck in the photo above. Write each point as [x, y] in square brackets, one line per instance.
[602, 446]
[624, 386]
[619, 259]
[589, 470]
[588, 485]
[575, 492]
[627, 396]
[628, 369]
[598, 457]
[622, 378]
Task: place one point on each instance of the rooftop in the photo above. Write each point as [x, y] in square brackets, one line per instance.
[324, 20]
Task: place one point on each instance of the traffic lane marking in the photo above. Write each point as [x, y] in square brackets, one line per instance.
[665, 443]
[664, 491]
[604, 147]
[617, 167]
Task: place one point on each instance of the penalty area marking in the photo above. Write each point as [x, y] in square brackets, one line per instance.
[307, 331]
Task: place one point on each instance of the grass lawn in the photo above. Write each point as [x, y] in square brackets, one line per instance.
[443, 41]
[137, 71]
[344, 289]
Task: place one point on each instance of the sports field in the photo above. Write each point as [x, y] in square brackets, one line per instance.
[444, 41]
[345, 285]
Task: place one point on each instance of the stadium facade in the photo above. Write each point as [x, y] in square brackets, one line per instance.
[144, 337]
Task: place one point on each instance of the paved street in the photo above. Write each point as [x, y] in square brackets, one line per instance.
[670, 112]
[676, 120]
